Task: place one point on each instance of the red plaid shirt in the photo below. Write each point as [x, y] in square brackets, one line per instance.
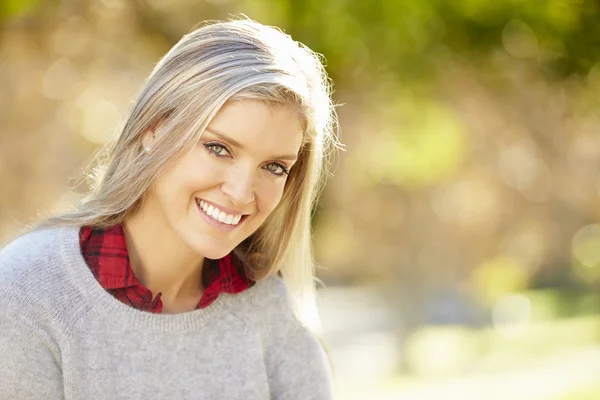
[105, 252]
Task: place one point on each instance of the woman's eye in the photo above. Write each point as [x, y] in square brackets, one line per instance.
[277, 169]
[217, 149]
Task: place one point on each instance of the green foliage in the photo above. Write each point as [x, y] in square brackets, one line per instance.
[16, 8]
[425, 145]
[407, 37]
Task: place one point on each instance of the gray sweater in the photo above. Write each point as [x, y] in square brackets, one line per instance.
[62, 336]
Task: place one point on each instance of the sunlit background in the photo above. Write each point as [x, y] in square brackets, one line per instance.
[459, 238]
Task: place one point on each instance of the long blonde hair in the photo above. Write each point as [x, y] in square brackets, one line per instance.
[217, 63]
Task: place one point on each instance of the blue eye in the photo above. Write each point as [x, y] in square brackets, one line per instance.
[217, 149]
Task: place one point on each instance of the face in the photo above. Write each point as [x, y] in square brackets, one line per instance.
[218, 194]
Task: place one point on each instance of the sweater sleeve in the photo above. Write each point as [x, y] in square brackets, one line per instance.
[29, 361]
[299, 368]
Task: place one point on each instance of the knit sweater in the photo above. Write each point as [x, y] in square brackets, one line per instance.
[70, 339]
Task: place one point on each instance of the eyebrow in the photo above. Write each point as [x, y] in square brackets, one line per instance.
[235, 143]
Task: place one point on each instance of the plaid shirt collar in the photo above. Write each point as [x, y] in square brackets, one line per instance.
[105, 253]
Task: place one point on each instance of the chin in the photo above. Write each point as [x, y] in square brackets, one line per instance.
[215, 255]
[212, 252]
[212, 247]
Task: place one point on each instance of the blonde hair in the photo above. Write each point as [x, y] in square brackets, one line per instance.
[218, 63]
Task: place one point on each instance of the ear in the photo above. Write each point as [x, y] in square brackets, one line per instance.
[150, 134]
[154, 130]
[148, 138]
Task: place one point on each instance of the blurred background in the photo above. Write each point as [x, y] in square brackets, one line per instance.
[459, 237]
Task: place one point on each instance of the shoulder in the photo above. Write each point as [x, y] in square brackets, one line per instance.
[296, 361]
[26, 258]
[33, 278]
[272, 288]
[264, 304]
[269, 308]
[269, 297]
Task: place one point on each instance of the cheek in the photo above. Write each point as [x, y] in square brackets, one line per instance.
[192, 176]
[269, 197]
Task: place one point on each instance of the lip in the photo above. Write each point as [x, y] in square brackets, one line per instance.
[220, 225]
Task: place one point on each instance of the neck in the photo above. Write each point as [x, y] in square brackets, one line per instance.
[161, 261]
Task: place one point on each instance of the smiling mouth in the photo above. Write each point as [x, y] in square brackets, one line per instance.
[220, 216]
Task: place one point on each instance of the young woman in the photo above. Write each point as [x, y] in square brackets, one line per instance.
[183, 273]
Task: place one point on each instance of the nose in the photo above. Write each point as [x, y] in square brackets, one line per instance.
[239, 186]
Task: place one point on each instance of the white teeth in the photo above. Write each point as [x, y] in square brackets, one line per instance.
[219, 215]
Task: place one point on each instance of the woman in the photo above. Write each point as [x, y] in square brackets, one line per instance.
[183, 273]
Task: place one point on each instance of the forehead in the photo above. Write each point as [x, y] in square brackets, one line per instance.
[259, 126]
